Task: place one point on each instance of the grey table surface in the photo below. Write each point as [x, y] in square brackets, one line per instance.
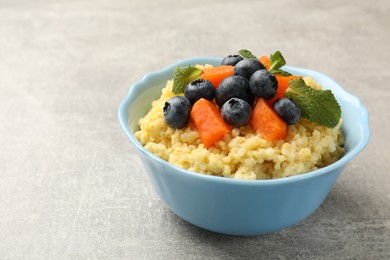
[71, 185]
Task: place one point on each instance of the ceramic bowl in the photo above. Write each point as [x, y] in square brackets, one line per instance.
[241, 207]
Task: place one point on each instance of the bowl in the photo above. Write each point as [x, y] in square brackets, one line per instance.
[241, 207]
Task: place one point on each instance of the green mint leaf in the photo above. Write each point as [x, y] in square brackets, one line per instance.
[281, 72]
[246, 54]
[318, 106]
[182, 76]
[276, 61]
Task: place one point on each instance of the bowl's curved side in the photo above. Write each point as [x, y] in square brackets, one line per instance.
[234, 209]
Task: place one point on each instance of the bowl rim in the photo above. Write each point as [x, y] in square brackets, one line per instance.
[130, 97]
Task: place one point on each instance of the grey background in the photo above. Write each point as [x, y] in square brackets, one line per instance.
[71, 186]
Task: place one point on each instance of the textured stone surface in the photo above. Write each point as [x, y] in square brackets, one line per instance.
[71, 186]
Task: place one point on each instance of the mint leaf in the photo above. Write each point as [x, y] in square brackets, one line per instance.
[276, 61]
[318, 106]
[182, 76]
[281, 72]
[246, 54]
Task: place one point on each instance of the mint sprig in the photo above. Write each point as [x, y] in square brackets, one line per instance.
[318, 106]
[281, 72]
[182, 76]
[276, 62]
[246, 54]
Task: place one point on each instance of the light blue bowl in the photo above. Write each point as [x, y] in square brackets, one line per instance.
[241, 207]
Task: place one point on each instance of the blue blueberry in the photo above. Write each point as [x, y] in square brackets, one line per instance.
[198, 89]
[263, 84]
[236, 112]
[231, 60]
[177, 111]
[233, 86]
[287, 110]
[247, 67]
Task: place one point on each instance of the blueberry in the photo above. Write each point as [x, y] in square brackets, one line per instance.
[198, 89]
[233, 86]
[177, 111]
[231, 60]
[287, 110]
[263, 84]
[236, 112]
[247, 67]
